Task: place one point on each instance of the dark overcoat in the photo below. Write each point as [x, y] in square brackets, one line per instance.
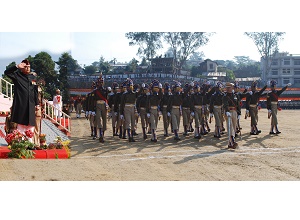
[25, 98]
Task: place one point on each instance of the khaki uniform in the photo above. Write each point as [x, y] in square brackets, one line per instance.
[272, 104]
[38, 117]
[163, 106]
[174, 106]
[231, 103]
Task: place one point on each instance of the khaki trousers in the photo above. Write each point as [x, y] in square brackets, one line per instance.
[175, 116]
[254, 115]
[274, 114]
[186, 115]
[78, 109]
[38, 118]
[144, 119]
[218, 116]
[233, 122]
[153, 118]
[198, 117]
[129, 117]
[101, 116]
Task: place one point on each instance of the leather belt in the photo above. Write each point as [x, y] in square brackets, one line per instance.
[253, 106]
[232, 108]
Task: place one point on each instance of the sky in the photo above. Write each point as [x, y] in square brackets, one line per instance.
[87, 47]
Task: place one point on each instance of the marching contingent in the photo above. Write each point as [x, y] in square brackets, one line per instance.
[123, 104]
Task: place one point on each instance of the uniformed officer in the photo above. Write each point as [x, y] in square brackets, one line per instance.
[252, 106]
[197, 109]
[128, 109]
[215, 109]
[186, 107]
[117, 110]
[272, 105]
[231, 107]
[174, 108]
[141, 104]
[111, 104]
[152, 107]
[91, 111]
[240, 96]
[163, 105]
[101, 106]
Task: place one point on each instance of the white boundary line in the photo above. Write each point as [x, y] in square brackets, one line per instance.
[252, 151]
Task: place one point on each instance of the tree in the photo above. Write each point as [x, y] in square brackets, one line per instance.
[185, 44]
[144, 62]
[44, 66]
[243, 60]
[148, 42]
[132, 65]
[67, 65]
[197, 56]
[90, 70]
[267, 46]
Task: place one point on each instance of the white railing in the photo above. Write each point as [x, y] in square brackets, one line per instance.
[49, 113]
[8, 93]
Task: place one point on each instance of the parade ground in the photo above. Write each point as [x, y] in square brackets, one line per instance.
[260, 157]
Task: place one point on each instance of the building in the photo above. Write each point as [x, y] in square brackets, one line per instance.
[284, 68]
[209, 68]
[165, 64]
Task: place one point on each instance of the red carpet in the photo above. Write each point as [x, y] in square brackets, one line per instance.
[40, 154]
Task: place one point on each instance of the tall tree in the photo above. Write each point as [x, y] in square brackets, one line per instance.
[66, 65]
[148, 42]
[44, 66]
[267, 46]
[185, 44]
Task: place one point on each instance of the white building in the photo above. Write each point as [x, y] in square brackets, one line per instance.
[284, 68]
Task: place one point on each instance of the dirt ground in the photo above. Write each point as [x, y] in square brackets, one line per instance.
[261, 157]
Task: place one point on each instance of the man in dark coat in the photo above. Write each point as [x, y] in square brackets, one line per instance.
[25, 101]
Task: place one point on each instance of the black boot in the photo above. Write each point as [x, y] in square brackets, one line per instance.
[272, 128]
[198, 136]
[176, 135]
[129, 136]
[257, 131]
[95, 133]
[144, 133]
[92, 131]
[101, 140]
[132, 133]
[166, 133]
[120, 134]
[185, 131]
[277, 131]
[153, 139]
[124, 134]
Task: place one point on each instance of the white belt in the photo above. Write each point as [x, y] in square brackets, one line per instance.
[142, 108]
[154, 107]
[185, 108]
[165, 106]
[275, 103]
[100, 101]
[175, 106]
[198, 106]
[129, 105]
[253, 106]
[217, 106]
